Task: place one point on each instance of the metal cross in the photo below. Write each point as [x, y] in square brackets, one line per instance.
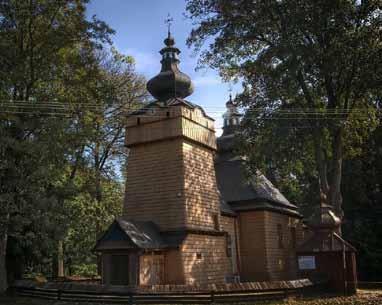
[169, 21]
[230, 91]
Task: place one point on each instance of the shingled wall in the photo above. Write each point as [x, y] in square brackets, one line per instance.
[201, 195]
[171, 181]
[170, 174]
[154, 188]
[261, 256]
[281, 261]
[205, 260]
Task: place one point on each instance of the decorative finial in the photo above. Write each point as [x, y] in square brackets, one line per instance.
[169, 21]
[170, 82]
[230, 93]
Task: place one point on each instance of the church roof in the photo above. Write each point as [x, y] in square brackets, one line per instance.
[134, 235]
[245, 193]
[170, 82]
[225, 208]
[240, 191]
[124, 234]
[173, 101]
[325, 242]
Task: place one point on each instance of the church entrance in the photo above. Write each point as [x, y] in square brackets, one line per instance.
[119, 274]
[151, 269]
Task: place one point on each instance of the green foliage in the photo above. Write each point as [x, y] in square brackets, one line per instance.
[363, 197]
[86, 270]
[88, 218]
[311, 74]
[64, 93]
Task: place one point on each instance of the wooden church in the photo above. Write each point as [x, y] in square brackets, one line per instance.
[191, 215]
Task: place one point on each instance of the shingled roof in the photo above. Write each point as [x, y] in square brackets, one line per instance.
[174, 101]
[124, 234]
[128, 234]
[242, 192]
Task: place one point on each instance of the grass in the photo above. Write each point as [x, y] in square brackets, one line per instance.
[364, 297]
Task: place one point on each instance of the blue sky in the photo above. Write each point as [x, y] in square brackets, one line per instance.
[140, 31]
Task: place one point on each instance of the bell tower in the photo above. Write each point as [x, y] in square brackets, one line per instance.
[170, 173]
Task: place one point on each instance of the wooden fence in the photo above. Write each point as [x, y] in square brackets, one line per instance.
[370, 285]
[158, 298]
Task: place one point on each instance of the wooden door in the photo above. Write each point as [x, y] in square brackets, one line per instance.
[151, 269]
[119, 269]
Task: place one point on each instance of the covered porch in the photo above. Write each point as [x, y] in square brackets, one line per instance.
[133, 253]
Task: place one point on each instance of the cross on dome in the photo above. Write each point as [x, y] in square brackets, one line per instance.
[168, 21]
[170, 82]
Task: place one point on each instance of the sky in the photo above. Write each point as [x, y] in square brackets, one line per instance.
[140, 30]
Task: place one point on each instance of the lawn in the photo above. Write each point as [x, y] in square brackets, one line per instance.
[364, 297]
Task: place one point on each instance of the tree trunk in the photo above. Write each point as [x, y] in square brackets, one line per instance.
[98, 195]
[335, 197]
[321, 168]
[3, 267]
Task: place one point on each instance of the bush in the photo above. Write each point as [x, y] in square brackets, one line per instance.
[86, 270]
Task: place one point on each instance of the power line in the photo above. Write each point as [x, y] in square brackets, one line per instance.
[212, 108]
[294, 116]
[132, 110]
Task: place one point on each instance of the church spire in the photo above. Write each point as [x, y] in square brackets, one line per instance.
[170, 82]
[231, 117]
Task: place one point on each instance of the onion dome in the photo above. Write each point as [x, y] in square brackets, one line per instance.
[231, 117]
[170, 82]
[324, 218]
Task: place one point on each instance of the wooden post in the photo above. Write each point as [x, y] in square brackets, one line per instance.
[60, 261]
[131, 299]
[212, 297]
[344, 268]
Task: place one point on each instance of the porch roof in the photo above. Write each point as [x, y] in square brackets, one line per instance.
[127, 234]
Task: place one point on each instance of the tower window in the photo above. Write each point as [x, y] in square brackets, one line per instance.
[138, 121]
[168, 113]
[229, 245]
[215, 218]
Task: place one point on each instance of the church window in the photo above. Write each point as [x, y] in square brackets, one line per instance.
[198, 255]
[168, 113]
[215, 218]
[138, 121]
[229, 245]
[280, 236]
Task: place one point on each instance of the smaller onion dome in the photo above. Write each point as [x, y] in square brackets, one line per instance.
[170, 82]
[231, 117]
[323, 217]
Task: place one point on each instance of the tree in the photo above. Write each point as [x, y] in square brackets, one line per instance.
[311, 71]
[39, 41]
[363, 197]
[87, 217]
[116, 91]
